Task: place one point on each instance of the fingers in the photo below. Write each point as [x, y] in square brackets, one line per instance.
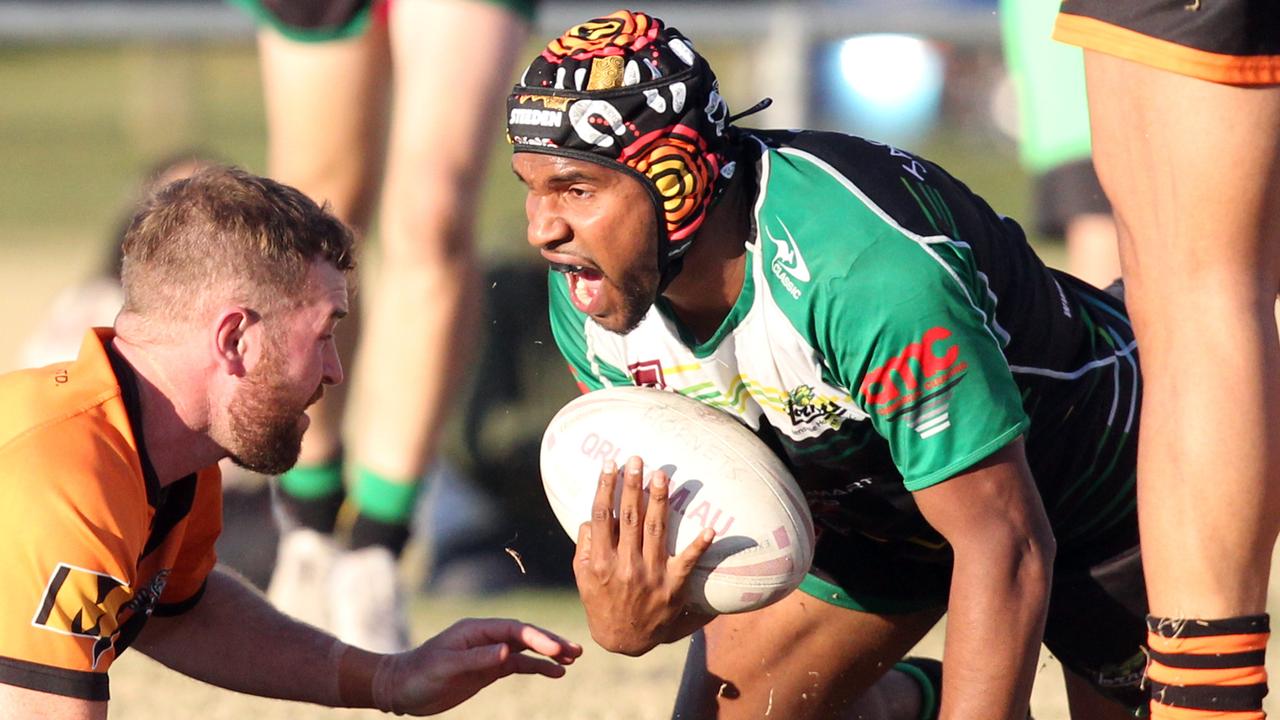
[582, 551]
[485, 657]
[518, 636]
[631, 511]
[500, 659]
[547, 643]
[680, 566]
[602, 514]
[655, 523]
[529, 665]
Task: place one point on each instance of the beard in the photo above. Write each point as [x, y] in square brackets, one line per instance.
[263, 416]
[639, 291]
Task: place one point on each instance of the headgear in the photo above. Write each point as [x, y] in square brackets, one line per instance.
[627, 92]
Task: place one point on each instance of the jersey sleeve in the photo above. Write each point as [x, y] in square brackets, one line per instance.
[569, 327]
[66, 545]
[920, 357]
[196, 556]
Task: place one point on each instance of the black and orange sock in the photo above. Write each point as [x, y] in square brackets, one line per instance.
[1208, 669]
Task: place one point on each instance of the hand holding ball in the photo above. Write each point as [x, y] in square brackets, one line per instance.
[720, 476]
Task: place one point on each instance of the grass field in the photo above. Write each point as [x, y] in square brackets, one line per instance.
[78, 127]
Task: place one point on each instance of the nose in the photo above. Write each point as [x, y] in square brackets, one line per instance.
[332, 365]
[547, 227]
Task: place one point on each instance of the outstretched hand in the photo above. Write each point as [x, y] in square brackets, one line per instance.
[633, 590]
[464, 659]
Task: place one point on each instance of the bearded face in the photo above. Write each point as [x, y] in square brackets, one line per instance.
[266, 416]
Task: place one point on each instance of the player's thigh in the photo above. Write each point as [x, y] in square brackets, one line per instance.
[799, 658]
[326, 105]
[1193, 171]
[454, 65]
[1096, 627]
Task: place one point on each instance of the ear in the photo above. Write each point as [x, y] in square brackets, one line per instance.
[232, 326]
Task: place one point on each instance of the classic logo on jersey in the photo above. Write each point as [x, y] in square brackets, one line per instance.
[648, 373]
[788, 264]
[916, 384]
[807, 410]
[88, 604]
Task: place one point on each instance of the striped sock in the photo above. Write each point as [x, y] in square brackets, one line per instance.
[1208, 669]
[312, 494]
[385, 509]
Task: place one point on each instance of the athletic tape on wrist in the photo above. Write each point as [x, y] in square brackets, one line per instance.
[384, 685]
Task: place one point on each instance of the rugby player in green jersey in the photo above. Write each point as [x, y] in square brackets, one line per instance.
[960, 417]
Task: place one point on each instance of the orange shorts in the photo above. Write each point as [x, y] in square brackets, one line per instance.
[1236, 42]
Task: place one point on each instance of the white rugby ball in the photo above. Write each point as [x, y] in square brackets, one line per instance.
[721, 476]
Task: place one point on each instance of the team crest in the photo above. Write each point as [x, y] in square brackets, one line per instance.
[88, 604]
[648, 373]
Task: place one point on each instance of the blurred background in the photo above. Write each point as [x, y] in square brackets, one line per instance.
[94, 94]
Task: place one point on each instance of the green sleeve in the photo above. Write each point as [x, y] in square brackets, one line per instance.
[570, 329]
[920, 357]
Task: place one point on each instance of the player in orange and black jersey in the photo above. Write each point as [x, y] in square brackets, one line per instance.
[94, 544]
[1185, 109]
[109, 488]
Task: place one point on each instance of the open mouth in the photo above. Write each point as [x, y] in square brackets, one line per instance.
[584, 285]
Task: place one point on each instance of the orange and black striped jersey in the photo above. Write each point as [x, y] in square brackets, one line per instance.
[90, 543]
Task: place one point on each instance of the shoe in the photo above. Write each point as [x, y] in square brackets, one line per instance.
[300, 582]
[366, 601]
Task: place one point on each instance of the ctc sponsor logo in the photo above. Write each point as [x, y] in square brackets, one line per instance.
[921, 367]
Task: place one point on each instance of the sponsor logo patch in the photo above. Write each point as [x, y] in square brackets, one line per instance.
[88, 604]
[537, 118]
[648, 373]
[788, 264]
[917, 383]
[807, 409]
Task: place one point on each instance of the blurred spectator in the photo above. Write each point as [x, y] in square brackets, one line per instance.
[1053, 140]
[95, 301]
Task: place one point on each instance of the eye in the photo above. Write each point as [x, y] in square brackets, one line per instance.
[579, 191]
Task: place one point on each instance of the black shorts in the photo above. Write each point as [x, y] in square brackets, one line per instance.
[1226, 41]
[325, 20]
[1065, 193]
[1096, 625]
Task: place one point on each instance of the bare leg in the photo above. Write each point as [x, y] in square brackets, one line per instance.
[453, 63]
[1192, 170]
[325, 138]
[802, 658]
[1092, 254]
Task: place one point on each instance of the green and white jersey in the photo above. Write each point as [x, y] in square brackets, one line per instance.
[891, 332]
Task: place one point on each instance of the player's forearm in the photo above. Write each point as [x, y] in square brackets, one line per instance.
[235, 639]
[995, 622]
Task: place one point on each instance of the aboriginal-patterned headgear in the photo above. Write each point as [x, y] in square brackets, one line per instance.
[627, 92]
